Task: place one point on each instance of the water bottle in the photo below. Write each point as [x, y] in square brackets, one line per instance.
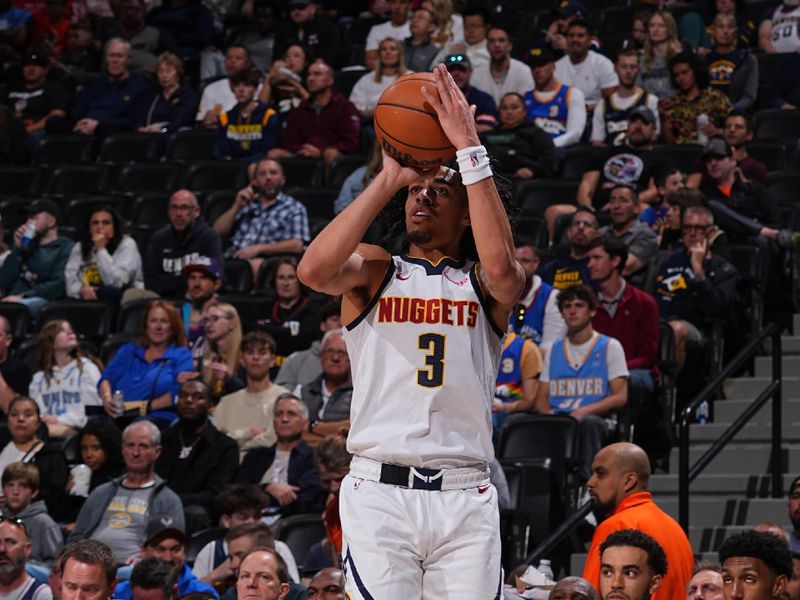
[118, 398]
[545, 569]
[702, 121]
[702, 412]
[29, 235]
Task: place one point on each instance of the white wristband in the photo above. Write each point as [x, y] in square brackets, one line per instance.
[473, 163]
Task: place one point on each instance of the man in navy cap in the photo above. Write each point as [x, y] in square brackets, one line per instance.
[203, 280]
[33, 273]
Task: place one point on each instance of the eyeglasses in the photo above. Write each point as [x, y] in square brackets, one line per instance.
[14, 521]
[336, 353]
[584, 224]
[698, 228]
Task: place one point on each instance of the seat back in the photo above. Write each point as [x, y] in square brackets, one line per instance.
[122, 148]
[63, 149]
[20, 180]
[195, 144]
[300, 532]
[147, 177]
[777, 124]
[200, 539]
[73, 180]
[238, 276]
[772, 154]
[77, 210]
[318, 202]
[217, 203]
[576, 161]
[19, 319]
[129, 317]
[213, 176]
[301, 171]
[342, 167]
[149, 208]
[537, 195]
[90, 320]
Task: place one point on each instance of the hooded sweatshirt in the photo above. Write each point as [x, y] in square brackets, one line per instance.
[46, 538]
[38, 272]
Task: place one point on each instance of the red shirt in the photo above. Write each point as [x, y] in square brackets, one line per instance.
[336, 125]
[638, 511]
[635, 325]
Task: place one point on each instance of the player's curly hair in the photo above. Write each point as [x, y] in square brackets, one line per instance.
[656, 557]
[393, 219]
[770, 549]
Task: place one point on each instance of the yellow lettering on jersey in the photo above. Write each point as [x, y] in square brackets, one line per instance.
[402, 309]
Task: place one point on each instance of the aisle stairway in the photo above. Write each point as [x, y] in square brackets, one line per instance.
[733, 493]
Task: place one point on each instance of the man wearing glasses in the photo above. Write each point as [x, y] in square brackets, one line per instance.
[573, 268]
[15, 548]
[693, 284]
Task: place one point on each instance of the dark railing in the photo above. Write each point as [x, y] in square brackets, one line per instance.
[773, 390]
[549, 543]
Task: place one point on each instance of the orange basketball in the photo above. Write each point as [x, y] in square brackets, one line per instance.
[407, 127]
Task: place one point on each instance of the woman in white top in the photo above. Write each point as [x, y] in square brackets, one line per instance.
[105, 261]
[389, 66]
[67, 382]
[449, 26]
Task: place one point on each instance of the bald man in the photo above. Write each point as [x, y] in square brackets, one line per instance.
[573, 588]
[618, 487]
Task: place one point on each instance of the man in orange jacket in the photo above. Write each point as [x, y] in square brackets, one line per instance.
[618, 486]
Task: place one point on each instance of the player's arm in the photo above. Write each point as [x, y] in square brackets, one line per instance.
[336, 262]
[500, 272]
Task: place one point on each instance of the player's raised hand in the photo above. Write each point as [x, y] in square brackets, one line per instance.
[456, 116]
[400, 176]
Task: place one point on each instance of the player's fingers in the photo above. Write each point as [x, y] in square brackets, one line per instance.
[434, 101]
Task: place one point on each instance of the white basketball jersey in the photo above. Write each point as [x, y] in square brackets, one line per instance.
[424, 357]
[786, 29]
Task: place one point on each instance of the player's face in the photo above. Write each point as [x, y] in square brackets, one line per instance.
[749, 578]
[436, 210]
[577, 314]
[695, 229]
[600, 264]
[621, 206]
[526, 257]
[624, 574]
[81, 581]
[705, 585]
[627, 68]
[606, 484]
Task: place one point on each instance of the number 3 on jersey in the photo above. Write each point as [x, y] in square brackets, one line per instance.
[432, 375]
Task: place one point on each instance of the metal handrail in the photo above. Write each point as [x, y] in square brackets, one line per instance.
[549, 543]
[773, 390]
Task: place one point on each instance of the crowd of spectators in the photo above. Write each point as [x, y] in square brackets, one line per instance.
[208, 415]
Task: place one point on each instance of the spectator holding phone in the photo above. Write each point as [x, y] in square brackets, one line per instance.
[262, 219]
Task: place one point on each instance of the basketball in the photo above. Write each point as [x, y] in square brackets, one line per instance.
[407, 127]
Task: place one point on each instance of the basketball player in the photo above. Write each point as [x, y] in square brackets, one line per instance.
[424, 334]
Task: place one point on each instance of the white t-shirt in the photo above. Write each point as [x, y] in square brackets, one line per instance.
[204, 563]
[785, 36]
[590, 76]
[218, 93]
[517, 79]
[615, 358]
[42, 593]
[367, 91]
[599, 118]
[11, 454]
[68, 393]
[378, 33]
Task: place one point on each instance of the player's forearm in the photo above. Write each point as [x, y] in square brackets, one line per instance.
[332, 248]
[494, 241]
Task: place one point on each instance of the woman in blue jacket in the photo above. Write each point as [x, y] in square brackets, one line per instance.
[149, 371]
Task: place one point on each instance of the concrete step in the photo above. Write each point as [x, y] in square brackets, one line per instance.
[721, 486]
[578, 559]
[752, 432]
[790, 344]
[726, 411]
[744, 458]
[716, 512]
[750, 387]
[790, 365]
[709, 539]
[796, 324]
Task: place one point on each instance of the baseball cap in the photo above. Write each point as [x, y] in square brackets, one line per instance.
[44, 205]
[457, 60]
[540, 56]
[299, 3]
[644, 113]
[568, 8]
[794, 484]
[206, 265]
[158, 529]
[717, 146]
[35, 58]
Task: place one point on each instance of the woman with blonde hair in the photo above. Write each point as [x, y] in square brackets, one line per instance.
[219, 363]
[67, 381]
[390, 65]
[449, 26]
[661, 44]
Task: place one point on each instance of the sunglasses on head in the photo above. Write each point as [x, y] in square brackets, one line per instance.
[14, 521]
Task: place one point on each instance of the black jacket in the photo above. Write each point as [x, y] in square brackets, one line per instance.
[167, 255]
[302, 473]
[210, 467]
[525, 146]
[749, 199]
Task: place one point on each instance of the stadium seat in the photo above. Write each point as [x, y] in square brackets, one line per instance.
[251, 309]
[777, 125]
[141, 235]
[18, 180]
[537, 195]
[149, 209]
[27, 351]
[262, 283]
[342, 167]
[129, 317]
[302, 171]
[210, 176]
[13, 213]
[752, 281]
[77, 210]
[533, 228]
[123, 148]
[300, 532]
[90, 320]
[318, 202]
[783, 187]
[19, 319]
[238, 276]
[146, 177]
[577, 160]
[73, 180]
[345, 80]
[195, 144]
[200, 539]
[668, 368]
[772, 154]
[63, 149]
[111, 344]
[217, 203]
[682, 156]
[539, 497]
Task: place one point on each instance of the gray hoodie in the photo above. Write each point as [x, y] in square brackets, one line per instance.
[45, 536]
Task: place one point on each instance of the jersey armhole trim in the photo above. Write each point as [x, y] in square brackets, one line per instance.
[476, 285]
[390, 268]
